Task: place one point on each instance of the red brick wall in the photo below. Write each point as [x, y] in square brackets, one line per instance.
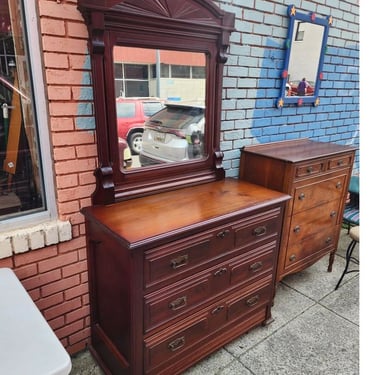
[56, 276]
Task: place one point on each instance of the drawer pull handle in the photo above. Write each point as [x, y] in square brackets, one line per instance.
[297, 229]
[301, 197]
[293, 257]
[178, 303]
[220, 272]
[223, 233]
[309, 169]
[260, 231]
[179, 261]
[216, 310]
[338, 185]
[328, 240]
[333, 214]
[340, 162]
[176, 344]
[256, 266]
[252, 301]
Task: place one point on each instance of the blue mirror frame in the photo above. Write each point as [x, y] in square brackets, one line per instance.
[288, 91]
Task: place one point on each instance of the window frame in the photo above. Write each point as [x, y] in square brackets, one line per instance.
[32, 33]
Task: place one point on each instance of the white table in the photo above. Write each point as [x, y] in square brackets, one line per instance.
[27, 343]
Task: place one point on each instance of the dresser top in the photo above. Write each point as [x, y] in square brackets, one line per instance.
[298, 150]
[144, 219]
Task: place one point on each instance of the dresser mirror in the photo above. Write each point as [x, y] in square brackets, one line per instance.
[160, 106]
[305, 48]
[171, 52]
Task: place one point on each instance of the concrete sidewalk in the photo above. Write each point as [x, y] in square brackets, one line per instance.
[315, 329]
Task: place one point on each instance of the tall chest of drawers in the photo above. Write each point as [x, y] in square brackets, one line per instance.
[177, 275]
[316, 175]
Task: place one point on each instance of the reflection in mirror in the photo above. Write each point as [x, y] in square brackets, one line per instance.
[306, 44]
[160, 104]
[304, 57]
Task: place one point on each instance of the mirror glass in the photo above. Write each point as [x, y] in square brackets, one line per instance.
[304, 58]
[305, 48]
[160, 106]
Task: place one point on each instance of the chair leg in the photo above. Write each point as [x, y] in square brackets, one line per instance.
[349, 252]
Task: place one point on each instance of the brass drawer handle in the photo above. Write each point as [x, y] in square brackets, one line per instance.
[260, 231]
[301, 197]
[328, 240]
[309, 169]
[256, 266]
[178, 303]
[333, 214]
[176, 344]
[220, 272]
[223, 233]
[339, 185]
[297, 229]
[179, 261]
[252, 301]
[293, 257]
[340, 163]
[217, 309]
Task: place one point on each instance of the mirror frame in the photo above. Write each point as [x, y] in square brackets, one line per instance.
[189, 25]
[311, 18]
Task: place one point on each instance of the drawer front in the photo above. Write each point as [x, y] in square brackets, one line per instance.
[250, 300]
[161, 308]
[342, 161]
[168, 347]
[318, 193]
[309, 169]
[255, 267]
[176, 259]
[261, 227]
[306, 223]
[181, 298]
[323, 241]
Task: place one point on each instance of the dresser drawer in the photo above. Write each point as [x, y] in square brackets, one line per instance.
[306, 223]
[343, 161]
[177, 259]
[306, 248]
[318, 193]
[247, 268]
[309, 169]
[261, 227]
[250, 300]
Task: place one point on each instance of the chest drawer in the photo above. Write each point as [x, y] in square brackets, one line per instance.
[176, 260]
[309, 169]
[343, 161]
[318, 193]
[300, 251]
[306, 223]
[182, 297]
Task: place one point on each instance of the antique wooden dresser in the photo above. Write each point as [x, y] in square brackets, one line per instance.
[316, 175]
[175, 276]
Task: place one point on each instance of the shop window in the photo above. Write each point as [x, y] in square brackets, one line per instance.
[22, 179]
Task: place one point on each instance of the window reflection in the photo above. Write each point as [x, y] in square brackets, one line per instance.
[21, 187]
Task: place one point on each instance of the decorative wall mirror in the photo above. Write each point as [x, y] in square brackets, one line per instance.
[305, 48]
[170, 53]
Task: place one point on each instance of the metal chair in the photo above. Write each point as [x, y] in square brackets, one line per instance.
[354, 235]
[351, 211]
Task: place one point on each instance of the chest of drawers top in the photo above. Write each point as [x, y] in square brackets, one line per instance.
[157, 219]
[298, 150]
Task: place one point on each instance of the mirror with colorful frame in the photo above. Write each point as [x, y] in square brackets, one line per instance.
[305, 49]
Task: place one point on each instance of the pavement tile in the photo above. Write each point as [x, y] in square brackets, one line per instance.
[316, 342]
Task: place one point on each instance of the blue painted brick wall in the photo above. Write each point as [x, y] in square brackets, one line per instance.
[252, 78]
